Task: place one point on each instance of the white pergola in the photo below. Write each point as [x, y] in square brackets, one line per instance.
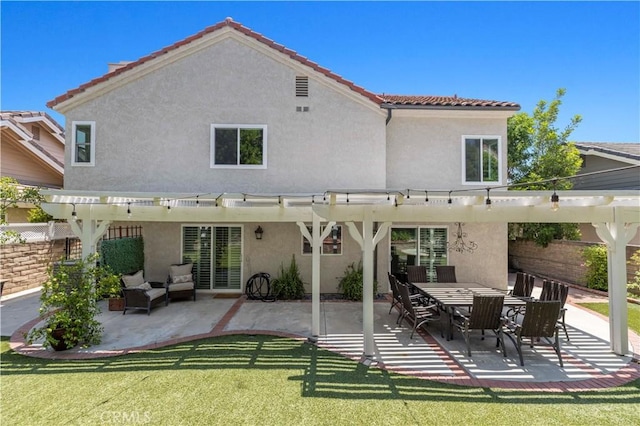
[614, 214]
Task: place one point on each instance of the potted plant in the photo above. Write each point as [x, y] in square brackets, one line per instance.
[69, 306]
[110, 287]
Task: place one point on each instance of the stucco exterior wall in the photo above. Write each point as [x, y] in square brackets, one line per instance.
[488, 265]
[424, 149]
[154, 133]
[279, 242]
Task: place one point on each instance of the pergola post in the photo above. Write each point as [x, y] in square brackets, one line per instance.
[368, 242]
[315, 239]
[89, 231]
[616, 235]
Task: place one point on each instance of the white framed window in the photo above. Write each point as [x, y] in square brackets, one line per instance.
[481, 159]
[238, 146]
[331, 245]
[83, 141]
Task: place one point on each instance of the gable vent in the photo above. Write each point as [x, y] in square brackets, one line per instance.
[302, 86]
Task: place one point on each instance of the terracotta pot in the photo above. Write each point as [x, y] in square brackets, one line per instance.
[116, 304]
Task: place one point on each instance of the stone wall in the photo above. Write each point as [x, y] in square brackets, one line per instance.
[24, 266]
[560, 260]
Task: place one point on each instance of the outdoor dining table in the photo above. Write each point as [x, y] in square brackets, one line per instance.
[453, 295]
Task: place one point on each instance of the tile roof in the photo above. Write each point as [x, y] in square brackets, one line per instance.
[444, 101]
[226, 23]
[5, 115]
[413, 101]
[13, 118]
[626, 150]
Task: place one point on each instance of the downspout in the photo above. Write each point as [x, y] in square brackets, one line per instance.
[388, 115]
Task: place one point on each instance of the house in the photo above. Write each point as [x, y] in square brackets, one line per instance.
[607, 166]
[32, 152]
[227, 133]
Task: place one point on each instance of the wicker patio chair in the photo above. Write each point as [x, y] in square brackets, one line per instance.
[446, 274]
[485, 314]
[540, 321]
[142, 295]
[417, 315]
[180, 283]
[552, 290]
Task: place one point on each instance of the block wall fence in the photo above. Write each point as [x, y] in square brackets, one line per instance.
[24, 266]
[560, 260]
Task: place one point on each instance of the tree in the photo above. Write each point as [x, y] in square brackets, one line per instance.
[10, 195]
[538, 153]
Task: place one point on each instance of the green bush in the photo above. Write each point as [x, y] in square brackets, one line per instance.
[352, 282]
[123, 256]
[288, 285]
[596, 262]
[633, 287]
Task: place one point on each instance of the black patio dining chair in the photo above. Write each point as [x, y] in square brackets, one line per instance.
[522, 289]
[416, 314]
[396, 300]
[446, 274]
[417, 274]
[540, 321]
[553, 290]
[485, 314]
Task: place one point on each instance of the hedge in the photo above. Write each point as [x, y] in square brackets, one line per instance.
[124, 255]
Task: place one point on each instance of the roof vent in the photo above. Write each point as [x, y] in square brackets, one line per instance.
[302, 86]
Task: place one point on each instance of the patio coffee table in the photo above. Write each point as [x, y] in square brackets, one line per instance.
[452, 295]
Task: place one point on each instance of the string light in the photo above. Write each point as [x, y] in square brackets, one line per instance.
[408, 194]
[555, 199]
[197, 201]
[128, 210]
[74, 215]
[426, 196]
[488, 200]
[449, 201]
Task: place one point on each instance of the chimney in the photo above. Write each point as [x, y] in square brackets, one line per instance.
[118, 65]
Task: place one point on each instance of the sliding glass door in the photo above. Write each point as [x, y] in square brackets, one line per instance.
[216, 254]
[418, 245]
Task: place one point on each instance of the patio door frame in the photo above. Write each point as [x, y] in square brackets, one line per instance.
[417, 228]
[212, 226]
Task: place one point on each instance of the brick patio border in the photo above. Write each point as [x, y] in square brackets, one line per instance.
[460, 375]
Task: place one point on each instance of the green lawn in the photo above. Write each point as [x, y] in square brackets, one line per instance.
[265, 380]
[633, 313]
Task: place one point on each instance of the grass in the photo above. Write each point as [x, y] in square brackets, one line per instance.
[268, 380]
[633, 313]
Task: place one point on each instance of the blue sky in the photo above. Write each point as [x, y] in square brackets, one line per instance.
[509, 51]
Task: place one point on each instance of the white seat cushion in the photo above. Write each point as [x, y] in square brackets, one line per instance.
[180, 286]
[154, 293]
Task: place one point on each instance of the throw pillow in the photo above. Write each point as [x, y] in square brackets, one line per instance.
[176, 270]
[133, 280]
[144, 286]
[183, 278]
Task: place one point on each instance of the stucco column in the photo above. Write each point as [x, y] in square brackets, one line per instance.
[616, 235]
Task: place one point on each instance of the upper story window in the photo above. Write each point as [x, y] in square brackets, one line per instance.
[239, 146]
[83, 139]
[481, 159]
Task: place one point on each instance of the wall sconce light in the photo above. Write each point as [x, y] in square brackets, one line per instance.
[259, 233]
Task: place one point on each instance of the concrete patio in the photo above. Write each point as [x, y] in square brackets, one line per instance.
[588, 360]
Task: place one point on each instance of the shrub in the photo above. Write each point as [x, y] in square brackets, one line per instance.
[596, 262]
[633, 287]
[288, 285]
[352, 282]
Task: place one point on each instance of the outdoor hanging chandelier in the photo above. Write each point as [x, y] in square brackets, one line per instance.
[460, 245]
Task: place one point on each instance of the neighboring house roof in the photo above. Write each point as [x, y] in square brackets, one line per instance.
[12, 126]
[445, 101]
[418, 101]
[625, 152]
